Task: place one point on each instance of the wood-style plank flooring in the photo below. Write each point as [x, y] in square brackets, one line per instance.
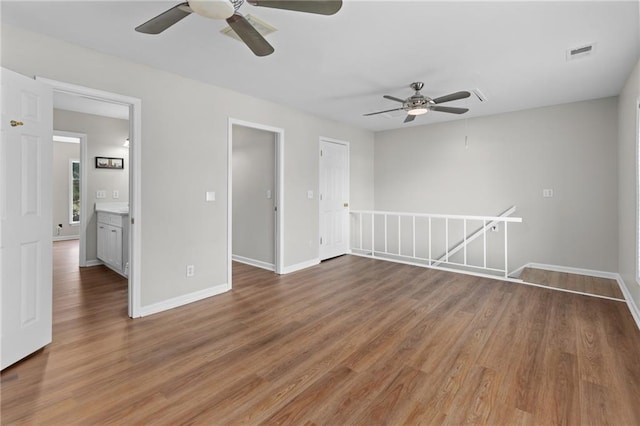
[352, 341]
[582, 283]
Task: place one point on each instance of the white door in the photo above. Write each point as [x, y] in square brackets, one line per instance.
[334, 199]
[25, 216]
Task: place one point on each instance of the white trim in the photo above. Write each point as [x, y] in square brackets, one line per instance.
[184, 299]
[570, 270]
[302, 265]
[253, 262]
[279, 237]
[348, 145]
[633, 308]
[93, 262]
[495, 277]
[135, 173]
[66, 237]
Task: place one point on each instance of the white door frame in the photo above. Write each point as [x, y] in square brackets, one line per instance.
[340, 142]
[279, 231]
[135, 203]
[82, 256]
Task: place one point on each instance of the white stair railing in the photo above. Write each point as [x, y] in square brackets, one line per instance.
[380, 234]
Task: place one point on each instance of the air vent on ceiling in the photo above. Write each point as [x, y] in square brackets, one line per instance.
[581, 51]
[262, 27]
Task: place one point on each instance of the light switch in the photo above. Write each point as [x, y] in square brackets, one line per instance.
[101, 193]
[210, 196]
[310, 194]
[116, 194]
[547, 193]
[268, 194]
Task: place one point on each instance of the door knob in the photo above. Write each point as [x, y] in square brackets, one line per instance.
[15, 123]
[346, 204]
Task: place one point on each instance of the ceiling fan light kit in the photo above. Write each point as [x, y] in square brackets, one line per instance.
[228, 10]
[418, 104]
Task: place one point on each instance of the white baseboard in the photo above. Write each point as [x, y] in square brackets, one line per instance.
[94, 262]
[569, 270]
[253, 262]
[183, 300]
[635, 312]
[301, 265]
[66, 237]
[633, 308]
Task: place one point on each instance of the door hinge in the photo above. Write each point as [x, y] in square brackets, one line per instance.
[320, 240]
[320, 153]
[132, 221]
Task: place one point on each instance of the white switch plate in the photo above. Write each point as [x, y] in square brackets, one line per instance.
[310, 194]
[547, 193]
[268, 194]
[101, 193]
[191, 271]
[116, 194]
[210, 196]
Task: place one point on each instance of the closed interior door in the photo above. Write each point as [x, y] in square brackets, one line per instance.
[334, 199]
[26, 216]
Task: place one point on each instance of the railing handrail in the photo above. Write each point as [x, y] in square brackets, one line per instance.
[444, 219]
[441, 216]
[480, 232]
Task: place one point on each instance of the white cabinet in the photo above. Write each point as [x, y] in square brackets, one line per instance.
[113, 241]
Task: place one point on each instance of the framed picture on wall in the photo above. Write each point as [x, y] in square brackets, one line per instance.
[109, 163]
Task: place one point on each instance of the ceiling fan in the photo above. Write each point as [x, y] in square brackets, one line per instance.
[419, 104]
[228, 10]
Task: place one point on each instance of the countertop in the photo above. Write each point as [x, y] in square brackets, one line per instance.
[115, 208]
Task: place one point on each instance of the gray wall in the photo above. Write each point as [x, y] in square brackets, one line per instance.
[63, 153]
[184, 154]
[105, 137]
[627, 181]
[509, 159]
[253, 175]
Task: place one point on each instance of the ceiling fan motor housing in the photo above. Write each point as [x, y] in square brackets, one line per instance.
[214, 9]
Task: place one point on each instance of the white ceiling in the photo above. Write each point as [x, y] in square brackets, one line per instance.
[339, 66]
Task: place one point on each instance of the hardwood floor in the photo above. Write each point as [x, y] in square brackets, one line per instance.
[351, 341]
[583, 283]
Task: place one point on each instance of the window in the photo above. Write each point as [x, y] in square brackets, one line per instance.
[638, 193]
[74, 192]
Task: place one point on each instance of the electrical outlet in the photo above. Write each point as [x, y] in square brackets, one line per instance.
[116, 194]
[191, 271]
[547, 193]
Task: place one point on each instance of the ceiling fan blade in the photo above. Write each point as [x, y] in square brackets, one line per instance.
[393, 98]
[452, 97]
[165, 19]
[382, 112]
[251, 37]
[409, 118]
[321, 7]
[451, 110]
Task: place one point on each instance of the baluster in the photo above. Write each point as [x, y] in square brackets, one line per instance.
[385, 233]
[464, 230]
[484, 242]
[413, 227]
[399, 235]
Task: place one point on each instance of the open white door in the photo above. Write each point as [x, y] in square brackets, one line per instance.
[334, 198]
[25, 216]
